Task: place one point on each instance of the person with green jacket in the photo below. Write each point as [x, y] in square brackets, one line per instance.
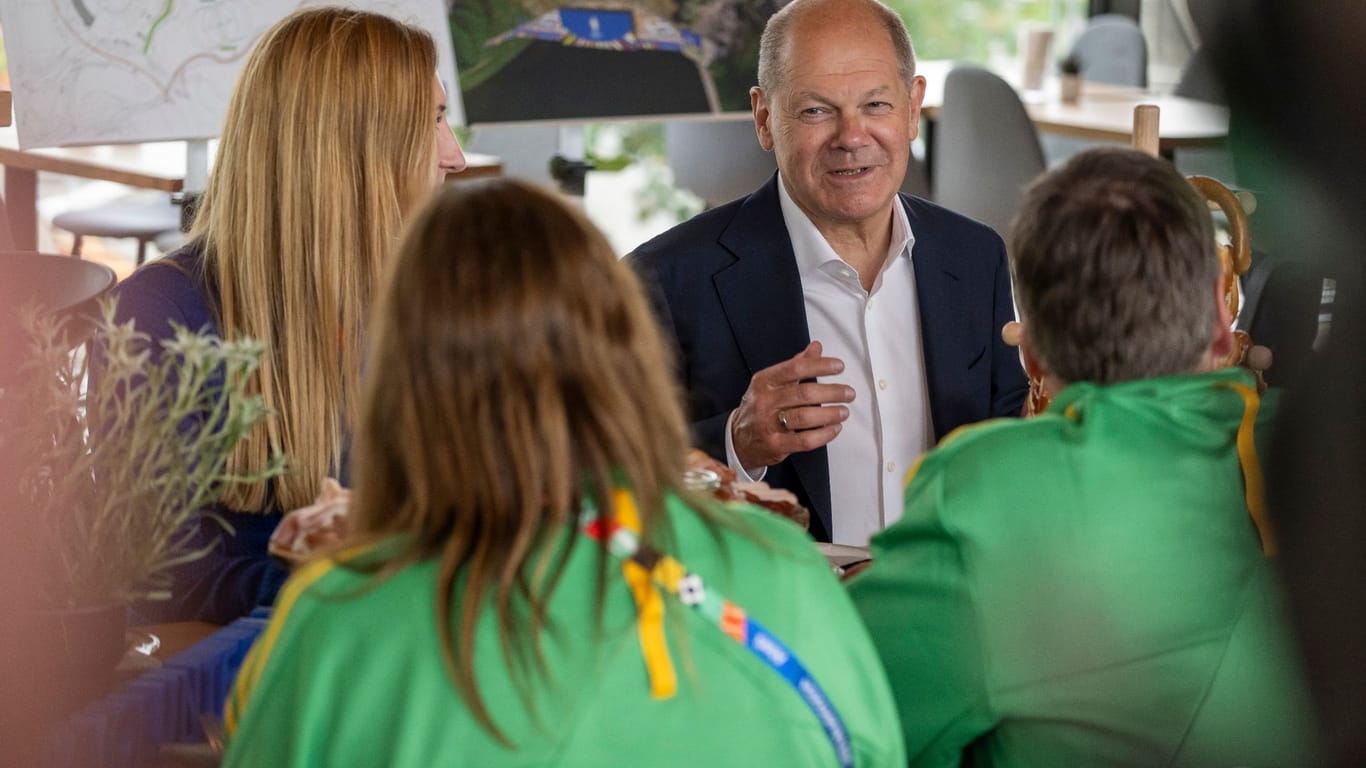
[528, 581]
[1093, 586]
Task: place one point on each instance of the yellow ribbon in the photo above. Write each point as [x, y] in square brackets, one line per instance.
[649, 604]
[1253, 485]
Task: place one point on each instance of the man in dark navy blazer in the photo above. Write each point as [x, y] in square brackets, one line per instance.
[830, 329]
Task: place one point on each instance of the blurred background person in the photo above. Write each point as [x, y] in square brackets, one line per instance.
[336, 130]
[1290, 71]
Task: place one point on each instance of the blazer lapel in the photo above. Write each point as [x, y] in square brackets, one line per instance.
[761, 296]
[761, 292]
[945, 325]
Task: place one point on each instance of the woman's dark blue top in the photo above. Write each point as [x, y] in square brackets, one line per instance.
[237, 574]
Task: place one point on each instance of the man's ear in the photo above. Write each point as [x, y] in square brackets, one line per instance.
[1223, 342]
[758, 104]
[917, 97]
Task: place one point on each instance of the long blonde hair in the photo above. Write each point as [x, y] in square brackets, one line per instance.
[516, 371]
[328, 143]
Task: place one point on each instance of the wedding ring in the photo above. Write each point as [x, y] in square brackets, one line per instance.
[782, 420]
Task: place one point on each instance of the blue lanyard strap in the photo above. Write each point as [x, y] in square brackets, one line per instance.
[623, 541]
[782, 660]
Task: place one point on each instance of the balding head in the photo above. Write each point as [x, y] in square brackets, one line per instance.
[775, 47]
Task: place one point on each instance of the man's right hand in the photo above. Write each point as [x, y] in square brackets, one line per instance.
[785, 412]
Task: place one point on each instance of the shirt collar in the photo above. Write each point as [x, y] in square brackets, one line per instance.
[812, 251]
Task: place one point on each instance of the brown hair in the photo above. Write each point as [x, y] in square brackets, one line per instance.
[327, 144]
[1114, 266]
[516, 371]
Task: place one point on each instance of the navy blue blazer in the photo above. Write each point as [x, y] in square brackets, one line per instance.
[725, 287]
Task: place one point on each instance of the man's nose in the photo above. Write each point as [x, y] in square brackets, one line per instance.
[853, 132]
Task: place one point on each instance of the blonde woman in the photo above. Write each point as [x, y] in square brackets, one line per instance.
[335, 132]
[528, 584]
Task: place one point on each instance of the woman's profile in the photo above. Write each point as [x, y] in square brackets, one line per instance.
[335, 132]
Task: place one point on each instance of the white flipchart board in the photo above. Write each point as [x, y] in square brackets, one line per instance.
[125, 71]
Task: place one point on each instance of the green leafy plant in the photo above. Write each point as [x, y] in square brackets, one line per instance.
[108, 473]
[614, 147]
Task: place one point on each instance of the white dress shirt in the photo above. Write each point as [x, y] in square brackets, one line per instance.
[877, 335]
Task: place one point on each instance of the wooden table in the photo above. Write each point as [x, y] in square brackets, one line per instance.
[98, 163]
[104, 163]
[1104, 112]
[178, 636]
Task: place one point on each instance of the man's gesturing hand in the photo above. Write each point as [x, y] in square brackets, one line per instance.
[784, 411]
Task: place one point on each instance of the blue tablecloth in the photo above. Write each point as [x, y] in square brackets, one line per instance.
[127, 728]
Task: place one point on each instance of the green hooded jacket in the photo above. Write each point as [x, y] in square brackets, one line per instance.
[1088, 587]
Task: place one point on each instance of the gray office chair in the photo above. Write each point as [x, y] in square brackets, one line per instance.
[1282, 305]
[1200, 81]
[917, 180]
[986, 148]
[717, 160]
[1111, 49]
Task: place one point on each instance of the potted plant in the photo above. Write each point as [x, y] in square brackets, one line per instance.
[1070, 68]
[99, 475]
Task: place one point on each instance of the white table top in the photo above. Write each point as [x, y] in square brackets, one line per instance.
[1104, 112]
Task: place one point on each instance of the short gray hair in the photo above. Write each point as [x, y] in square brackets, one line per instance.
[773, 45]
[1114, 266]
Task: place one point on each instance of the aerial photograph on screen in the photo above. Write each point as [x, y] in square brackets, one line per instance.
[547, 60]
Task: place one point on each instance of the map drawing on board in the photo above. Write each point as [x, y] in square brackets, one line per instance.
[123, 71]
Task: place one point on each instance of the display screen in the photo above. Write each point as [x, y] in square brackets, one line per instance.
[532, 60]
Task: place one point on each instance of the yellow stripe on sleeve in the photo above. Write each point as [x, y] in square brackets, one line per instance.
[1253, 485]
[250, 673]
[911, 473]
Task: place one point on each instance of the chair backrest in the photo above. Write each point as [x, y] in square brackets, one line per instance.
[1199, 80]
[1282, 301]
[985, 148]
[717, 160]
[1111, 49]
[917, 180]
